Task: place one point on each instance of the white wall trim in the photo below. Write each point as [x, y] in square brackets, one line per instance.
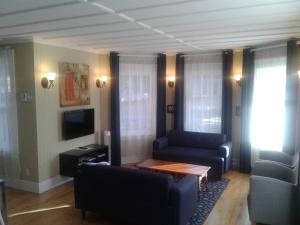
[23, 185]
[36, 187]
[52, 183]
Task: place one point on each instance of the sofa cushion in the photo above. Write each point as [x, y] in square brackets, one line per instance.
[188, 152]
[195, 139]
[205, 157]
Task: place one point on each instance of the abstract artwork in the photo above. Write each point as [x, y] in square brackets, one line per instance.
[74, 84]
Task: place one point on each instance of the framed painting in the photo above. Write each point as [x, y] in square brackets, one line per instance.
[74, 84]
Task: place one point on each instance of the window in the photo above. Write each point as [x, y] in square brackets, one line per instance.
[203, 93]
[137, 107]
[268, 107]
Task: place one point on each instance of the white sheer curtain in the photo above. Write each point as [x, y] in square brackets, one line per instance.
[137, 107]
[203, 93]
[268, 107]
[9, 147]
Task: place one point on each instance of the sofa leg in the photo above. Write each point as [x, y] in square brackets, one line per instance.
[83, 213]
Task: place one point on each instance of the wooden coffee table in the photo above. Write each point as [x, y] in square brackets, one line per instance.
[176, 168]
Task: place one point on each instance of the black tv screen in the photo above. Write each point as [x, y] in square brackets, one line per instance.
[78, 123]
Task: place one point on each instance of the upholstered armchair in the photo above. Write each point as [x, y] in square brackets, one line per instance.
[280, 157]
[273, 189]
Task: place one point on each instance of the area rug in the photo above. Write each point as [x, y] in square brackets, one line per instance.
[208, 199]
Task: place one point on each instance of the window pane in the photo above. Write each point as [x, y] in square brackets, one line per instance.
[137, 96]
[268, 108]
[203, 93]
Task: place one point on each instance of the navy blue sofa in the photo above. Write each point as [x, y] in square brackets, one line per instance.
[196, 148]
[135, 196]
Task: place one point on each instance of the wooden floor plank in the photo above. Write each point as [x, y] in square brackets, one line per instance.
[56, 207]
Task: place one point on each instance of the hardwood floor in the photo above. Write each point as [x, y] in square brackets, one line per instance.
[56, 207]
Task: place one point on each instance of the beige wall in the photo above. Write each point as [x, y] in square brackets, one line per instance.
[170, 91]
[236, 102]
[49, 112]
[105, 106]
[26, 111]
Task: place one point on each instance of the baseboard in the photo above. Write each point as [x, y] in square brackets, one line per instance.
[36, 187]
[23, 185]
[52, 183]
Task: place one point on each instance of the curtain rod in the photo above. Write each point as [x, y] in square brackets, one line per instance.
[268, 47]
[132, 55]
[212, 53]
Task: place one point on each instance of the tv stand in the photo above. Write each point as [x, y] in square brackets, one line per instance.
[69, 160]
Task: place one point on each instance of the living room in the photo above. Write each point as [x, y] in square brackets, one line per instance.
[172, 104]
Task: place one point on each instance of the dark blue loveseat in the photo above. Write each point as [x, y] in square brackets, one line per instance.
[196, 148]
[135, 196]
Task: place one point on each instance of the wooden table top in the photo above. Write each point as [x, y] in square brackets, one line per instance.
[174, 167]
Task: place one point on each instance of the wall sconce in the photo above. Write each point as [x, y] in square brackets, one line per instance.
[299, 73]
[171, 81]
[238, 79]
[101, 82]
[48, 80]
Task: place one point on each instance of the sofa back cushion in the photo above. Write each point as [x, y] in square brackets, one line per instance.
[125, 193]
[195, 139]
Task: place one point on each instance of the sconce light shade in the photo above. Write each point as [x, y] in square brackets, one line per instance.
[299, 73]
[171, 81]
[51, 76]
[48, 80]
[101, 82]
[237, 78]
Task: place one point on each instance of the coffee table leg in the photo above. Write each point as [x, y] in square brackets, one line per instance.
[199, 186]
[205, 180]
[202, 179]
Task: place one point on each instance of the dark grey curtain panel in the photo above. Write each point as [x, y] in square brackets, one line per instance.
[227, 93]
[161, 96]
[115, 110]
[179, 93]
[247, 95]
[292, 67]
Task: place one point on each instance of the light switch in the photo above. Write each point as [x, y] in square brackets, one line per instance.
[25, 97]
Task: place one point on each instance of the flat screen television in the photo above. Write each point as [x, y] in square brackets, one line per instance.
[78, 123]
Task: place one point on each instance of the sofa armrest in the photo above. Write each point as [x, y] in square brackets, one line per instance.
[225, 151]
[276, 156]
[160, 143]
[271, 201]
[183, 198]
[274, 170]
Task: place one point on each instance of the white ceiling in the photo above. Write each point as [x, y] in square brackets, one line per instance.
[150, 25]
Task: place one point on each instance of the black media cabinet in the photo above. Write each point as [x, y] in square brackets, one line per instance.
[69, 160]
